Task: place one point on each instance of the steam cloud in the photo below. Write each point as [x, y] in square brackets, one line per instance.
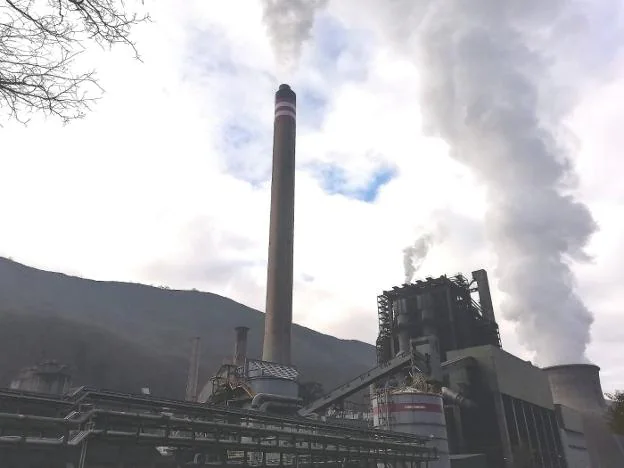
[414, 255]
[289, 23]
[489, 92]
[486, 90]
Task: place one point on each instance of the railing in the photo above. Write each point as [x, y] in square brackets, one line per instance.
[252, 435]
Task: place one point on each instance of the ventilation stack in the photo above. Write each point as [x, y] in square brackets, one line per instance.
[240, 346]
[278, 318]
[193, 373]
[485, 296]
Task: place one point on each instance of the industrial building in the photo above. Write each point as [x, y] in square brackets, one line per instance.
[443, 392]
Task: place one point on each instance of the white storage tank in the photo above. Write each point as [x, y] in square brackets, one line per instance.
[417, 413]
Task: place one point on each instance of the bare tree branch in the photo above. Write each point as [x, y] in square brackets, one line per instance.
[39, 42]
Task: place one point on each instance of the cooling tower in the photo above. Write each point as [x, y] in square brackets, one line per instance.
[577, 386]
[278, 318]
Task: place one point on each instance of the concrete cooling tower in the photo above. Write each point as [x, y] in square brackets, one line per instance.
[577, 386]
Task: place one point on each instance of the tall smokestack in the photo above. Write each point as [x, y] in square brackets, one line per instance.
[240, 346]
[278, 319]
[191, 383]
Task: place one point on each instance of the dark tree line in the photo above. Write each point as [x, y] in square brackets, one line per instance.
[616, 412]
[39, 43]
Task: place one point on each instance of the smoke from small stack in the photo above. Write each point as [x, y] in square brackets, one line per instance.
[289, 24]
[487, 91]
[414, 255]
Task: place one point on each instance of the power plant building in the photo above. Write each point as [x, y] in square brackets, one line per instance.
[443, 392]
[514, 418]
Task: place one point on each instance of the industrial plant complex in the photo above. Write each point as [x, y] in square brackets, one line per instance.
[443, 392]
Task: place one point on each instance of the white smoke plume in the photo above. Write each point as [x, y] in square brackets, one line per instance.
[487, 89]
[289, 23]
[414, 255]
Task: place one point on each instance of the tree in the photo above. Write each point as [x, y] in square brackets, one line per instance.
[39, 43]
[310, 391]
[616, 412]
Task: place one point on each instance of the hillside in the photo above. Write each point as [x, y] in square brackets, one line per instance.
[123, 336]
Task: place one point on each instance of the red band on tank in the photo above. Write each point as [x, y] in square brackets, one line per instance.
[403, 407]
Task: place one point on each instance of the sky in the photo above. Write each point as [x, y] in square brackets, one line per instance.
[166, 181]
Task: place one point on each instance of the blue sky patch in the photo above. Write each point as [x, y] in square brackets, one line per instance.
[334, 179]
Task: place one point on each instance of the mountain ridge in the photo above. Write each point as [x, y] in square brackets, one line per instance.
[153, 323]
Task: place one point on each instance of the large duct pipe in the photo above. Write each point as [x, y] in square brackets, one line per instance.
[577, 386]
[451, 396]
[278, 318]
[240, 346]
[485, 296]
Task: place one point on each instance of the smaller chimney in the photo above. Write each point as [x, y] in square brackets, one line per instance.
[485, 297]
[240, 346]
[193, 374]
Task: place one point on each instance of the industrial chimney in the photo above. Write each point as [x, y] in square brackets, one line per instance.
[278, 318]
[193, 373]
[240, 346]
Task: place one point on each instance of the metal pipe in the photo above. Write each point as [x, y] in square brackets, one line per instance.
[451, 396]
[142, 401]
[278, 317]
[260, 398]
[292, 406]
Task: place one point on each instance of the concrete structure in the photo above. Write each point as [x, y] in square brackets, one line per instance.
[193, 373]
[577, 387]
[240, 346]
[46, 377]
[514, 422]
[573, 437]
[485, 297]
[278, 319]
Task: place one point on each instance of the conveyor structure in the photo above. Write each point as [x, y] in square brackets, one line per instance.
[91, 417]
[419, 358]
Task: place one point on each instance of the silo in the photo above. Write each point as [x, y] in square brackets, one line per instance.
[413, 412]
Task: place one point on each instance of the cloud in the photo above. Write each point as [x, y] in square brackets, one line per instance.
[166, 182]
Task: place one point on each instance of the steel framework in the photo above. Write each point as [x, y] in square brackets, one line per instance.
[221, 435]
[459, 319]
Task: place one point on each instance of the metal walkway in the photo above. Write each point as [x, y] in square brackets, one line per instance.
[227, 435]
